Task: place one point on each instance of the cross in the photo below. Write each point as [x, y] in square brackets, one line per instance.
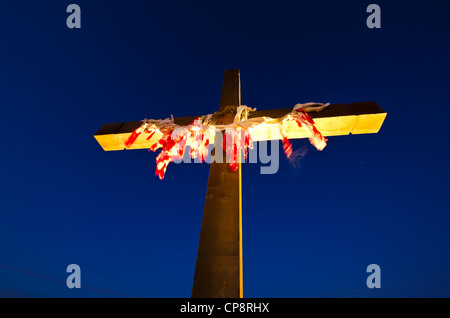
[219, 270]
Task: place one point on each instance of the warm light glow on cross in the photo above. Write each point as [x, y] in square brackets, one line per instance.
[219, 271]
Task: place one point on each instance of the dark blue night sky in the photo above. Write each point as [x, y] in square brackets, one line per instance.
[309, 230]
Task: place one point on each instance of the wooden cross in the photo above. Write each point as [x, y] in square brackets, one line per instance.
[218, 271]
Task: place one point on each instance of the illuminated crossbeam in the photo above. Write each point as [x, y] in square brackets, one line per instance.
[335, 120]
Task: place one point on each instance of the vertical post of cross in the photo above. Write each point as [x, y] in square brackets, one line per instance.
[218, 271]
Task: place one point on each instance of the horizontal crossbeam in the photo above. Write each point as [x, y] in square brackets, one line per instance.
[335, 120]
